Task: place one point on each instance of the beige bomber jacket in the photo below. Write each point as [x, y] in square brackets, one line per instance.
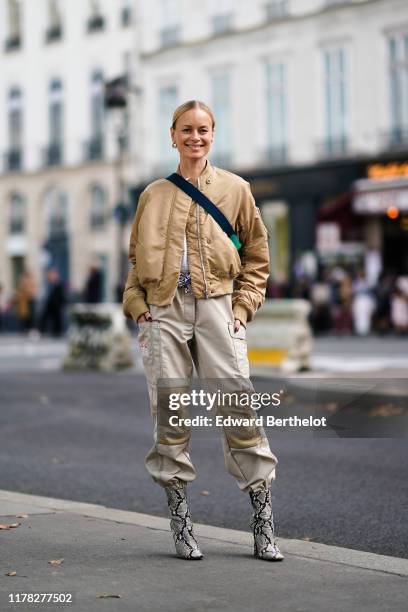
[164, 213]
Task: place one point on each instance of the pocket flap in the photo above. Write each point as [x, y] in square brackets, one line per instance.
[240, 334]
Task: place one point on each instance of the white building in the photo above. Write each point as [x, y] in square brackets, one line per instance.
[59, 175]
[307, 94]
[309, 97]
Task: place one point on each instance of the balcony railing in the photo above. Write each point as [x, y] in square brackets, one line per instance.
[277, 9]
[94, 148]
[221, 24]
[53, 34]
[277, 155]
[53, 154]
[395, 139]
[170, 36]
[16, 227]
[13, 43]
[13, 160]
[333, 148]
[96, 23]
[330, 3]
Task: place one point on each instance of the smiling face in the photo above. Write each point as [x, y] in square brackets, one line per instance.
[193, 134]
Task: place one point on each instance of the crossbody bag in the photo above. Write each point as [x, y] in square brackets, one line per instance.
[213, 210]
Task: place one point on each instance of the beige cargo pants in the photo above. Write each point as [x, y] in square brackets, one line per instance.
[200, 332]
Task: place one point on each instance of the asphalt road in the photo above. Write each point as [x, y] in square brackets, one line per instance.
[84, 437]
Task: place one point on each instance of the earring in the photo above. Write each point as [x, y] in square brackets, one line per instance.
[174, 145]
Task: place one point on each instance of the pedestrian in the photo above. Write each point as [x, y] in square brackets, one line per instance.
[94, 286]
[25, 302]
[52, 317]
[192, 292]
[382, 314]
[342, 302]
[320, 298]
[363, 305]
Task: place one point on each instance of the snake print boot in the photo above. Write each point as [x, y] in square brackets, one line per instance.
[181, 524]
[265, 547]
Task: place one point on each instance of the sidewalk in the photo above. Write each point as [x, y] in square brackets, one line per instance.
[113, 552]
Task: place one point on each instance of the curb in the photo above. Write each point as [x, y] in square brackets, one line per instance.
[298, 548]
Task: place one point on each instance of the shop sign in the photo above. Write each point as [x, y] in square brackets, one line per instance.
[378, 202]
[263, 186]
[382, 172]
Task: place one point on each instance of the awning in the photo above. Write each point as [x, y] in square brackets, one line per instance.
[340, 211]
[372, 197]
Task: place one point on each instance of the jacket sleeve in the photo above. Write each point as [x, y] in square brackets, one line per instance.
[250, 285]
[134, 296]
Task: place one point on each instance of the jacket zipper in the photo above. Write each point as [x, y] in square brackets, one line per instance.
[199, 246]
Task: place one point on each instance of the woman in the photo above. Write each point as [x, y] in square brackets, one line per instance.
[25, 301]
[192, 294]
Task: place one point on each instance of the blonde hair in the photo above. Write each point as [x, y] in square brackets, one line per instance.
[188, 106]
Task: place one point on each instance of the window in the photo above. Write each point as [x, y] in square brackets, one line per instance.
[277, 9]
[99, 208]
[168, 101]
[56, 123]
[170, 32]
[97, 108]
[13, 40]
[96, 21]
[17, 215]
[126, 13]
[222, 16]
[398, 70]
[54, 30]
[56, 209]
[94, 148]
[221, 102]
[276, 100]
[15, 130]
[335, 89]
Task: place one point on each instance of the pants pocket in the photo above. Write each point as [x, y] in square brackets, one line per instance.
[240, 347]
[149, 345]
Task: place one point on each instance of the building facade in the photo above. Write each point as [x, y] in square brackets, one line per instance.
[60, 179]
[309, 97]
[311, 108]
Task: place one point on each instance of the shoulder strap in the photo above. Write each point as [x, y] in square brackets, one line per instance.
[201, 199]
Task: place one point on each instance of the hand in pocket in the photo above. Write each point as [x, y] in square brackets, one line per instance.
[145, 317]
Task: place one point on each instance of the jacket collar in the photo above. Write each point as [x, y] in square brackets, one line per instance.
[206, 177]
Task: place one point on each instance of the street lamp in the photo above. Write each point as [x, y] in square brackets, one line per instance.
[116, 99]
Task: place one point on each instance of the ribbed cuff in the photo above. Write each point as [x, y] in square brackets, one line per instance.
[135, 307]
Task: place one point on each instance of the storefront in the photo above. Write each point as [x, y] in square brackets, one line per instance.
[353, 212]
[382, 201]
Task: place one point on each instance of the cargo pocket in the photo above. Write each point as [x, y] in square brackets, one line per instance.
[240, 347]
[149, 346]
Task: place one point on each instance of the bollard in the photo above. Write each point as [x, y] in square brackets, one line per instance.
[98, 338]
[280, 337]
